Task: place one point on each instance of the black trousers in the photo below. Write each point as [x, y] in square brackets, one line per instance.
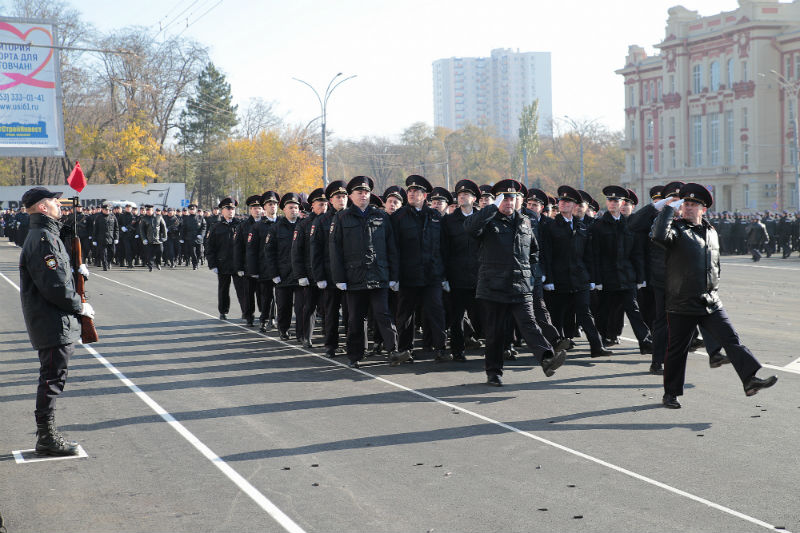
[287, 299]
[249, 292]
[224, 291]
[659, 325]
[647, 305]
[430, 298]
[680, 329]
[311, 297]
[105, 253]
[126, 250]
[193, 250]
[331, 301]
[52, 378]
[265, 294]
[565, 303]
[358, 305]
[461, 301]
[496, 316]
[153, 253]
[613, 304]
[542, 315]
[171, 251]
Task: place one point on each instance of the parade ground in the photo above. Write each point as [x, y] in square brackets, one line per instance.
[190, 423]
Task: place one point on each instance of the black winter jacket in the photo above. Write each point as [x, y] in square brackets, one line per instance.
[692, 264]
[50, 304]
[106, 229]
[320, 254]
[219, 250]
[363, 249]
[277, 254]
[568, 261]
[419, 246]
[301, 249]
[618, 259]
[461, 251]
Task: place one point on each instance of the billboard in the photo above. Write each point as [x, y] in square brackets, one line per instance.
[31, 121]
[157, 194]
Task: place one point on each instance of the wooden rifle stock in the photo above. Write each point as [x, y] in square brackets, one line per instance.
[88, 331]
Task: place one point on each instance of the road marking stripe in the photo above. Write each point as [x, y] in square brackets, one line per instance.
[262, 501]
[20, 459]
[9, 281]
[621, 470]
[759, 266]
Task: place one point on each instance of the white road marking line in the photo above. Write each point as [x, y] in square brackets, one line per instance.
[758, 266]
[262, 501]
[621, 470]
[9, 281]
[20, 458]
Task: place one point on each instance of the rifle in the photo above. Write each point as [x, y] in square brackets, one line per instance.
[88, 331]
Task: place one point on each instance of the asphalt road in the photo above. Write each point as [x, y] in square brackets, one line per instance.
[193, 424]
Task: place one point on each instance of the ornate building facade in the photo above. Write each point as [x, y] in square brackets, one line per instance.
[715, 106]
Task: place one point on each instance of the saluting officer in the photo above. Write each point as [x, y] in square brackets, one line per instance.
[569, 268]
[418, 233]
[220, 256]
[336, 192]
[364, 264]
[153, 231]
[277, 256]
[508, 249]
[691, 287]
[302, 268]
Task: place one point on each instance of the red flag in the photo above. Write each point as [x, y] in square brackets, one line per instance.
[76, 179]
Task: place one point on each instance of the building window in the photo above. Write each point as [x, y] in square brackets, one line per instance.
[788, 71]
[697, 140]
[730, 73]
[672, 158]
[631, 102]
[660, 127]
[714, 75]
[745, 75]
[671, 83]
[745, 155]
[659, 94]
[729, 137]
[633, 164]
[646, 93]
[649, 129]
[633, 130]
[697, 79]
[770, 190]
[744, 118]
[713, 138]
[747, 196]
[661, 160]
[649, 163]
[672, 126]
[797, 66]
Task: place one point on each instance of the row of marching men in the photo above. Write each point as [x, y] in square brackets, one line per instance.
[410, 256]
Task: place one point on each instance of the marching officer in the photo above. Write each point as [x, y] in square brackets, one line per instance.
[418, 233]
[364, 264]
[265, 291]
[153, 231]
[507, 251]
[127, 231]
[691, 288]
[193, 232]
[336, 192]
[172, 245]
[106, 236]
[220, 257]
[302, 268]
[277, 256]
[246, 267]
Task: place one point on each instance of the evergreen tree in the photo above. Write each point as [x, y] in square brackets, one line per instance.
[205, 124]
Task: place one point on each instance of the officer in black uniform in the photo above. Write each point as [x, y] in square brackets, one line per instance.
[692, 298]
[569, 269]
[302, 268]
[172, 245]
[50, 307]
[266, 288]
[508, 249]
[106, 236]
[193, 232]
[246, 267]
[364, 264]
[126, 228]
[277, 256]
[153, 233]
[220, 257]
[418, 233]
[336, 192]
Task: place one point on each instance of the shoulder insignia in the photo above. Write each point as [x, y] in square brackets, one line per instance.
[294, 236]
[333, 224]
[250, 236]
[266, 241]
[311, 233]
[50, 261]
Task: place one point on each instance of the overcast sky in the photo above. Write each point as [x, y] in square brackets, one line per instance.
[261, 44]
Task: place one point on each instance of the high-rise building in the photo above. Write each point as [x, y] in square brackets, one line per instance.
[709, 107]
[491, 91]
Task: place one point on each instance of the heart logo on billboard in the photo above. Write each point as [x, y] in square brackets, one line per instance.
[27, 79]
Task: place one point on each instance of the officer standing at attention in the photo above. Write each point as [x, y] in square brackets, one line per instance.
[51, 308]
[301, 266]
[265, 293]
[126, 227]
[691, 288]
[364, 264]
[277, 256]
[220, 257]
[153, 232]
[193, 232]
[246, 269]
[508, 249]
[106, 235]
[418, 233]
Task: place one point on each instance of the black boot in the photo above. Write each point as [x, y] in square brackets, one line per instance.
[263, 328]
[50, 441]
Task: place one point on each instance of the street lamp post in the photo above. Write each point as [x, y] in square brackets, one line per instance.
[791, 88]
[323, 106]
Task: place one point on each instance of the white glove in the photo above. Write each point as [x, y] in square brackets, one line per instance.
[676, 205]
[94, 243]
[240, 273]
[498, 200]
[215, 270]
[87, 310]
[341, 286]
[303, 282]
[596, 286]
[641, 285]
[135, 236]
[124, 229]
[276, 280]
[543, 278]
[83, 271]
[446, 286]
[254, 276]
[144, 241]
[395, 286]
[116, 241]
[659, 205]
[549, 287]
[181, 241]
[322, 284]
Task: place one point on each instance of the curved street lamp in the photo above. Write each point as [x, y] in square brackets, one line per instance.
[323, 105]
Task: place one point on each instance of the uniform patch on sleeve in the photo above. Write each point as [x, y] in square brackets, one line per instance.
[50, 261]
[266, 241]
[333, 224]
[312, 229]
[249, 237]
[294, 237]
